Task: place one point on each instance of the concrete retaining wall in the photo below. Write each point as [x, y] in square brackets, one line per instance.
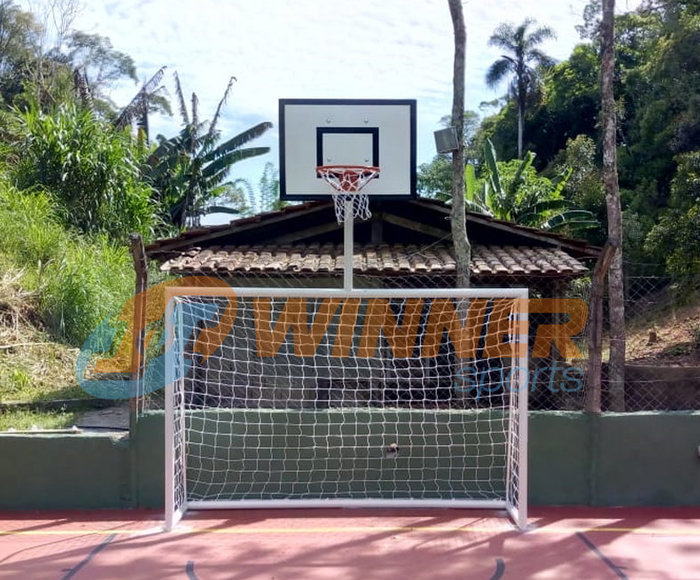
[575, 459]
[56, 471]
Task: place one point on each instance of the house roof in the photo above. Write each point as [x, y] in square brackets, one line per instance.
[407, 236]
[385, 259]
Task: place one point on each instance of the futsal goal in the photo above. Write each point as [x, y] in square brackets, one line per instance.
[322, 398]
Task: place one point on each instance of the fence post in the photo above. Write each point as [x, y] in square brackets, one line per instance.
[138, 355]
[595, 334]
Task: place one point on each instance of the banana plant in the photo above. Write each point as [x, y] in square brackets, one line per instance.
[190, 170]
[512, 200]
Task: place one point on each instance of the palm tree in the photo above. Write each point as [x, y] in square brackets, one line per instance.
[190, 169]
[522, 61]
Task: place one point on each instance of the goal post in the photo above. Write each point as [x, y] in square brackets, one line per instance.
[279, 397]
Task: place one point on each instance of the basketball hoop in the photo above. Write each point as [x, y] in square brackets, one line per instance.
[347, 182]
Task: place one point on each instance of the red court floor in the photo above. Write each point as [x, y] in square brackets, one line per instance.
[361, 544]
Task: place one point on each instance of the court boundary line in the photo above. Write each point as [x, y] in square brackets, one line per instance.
[500, 569]
[189, 570]
[85, 561]
[608, 562]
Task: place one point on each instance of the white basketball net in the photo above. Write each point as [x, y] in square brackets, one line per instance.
[347, 182]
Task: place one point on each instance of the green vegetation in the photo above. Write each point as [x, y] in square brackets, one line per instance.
[26, 419]
[524, 61]
[189, 171]
[78, 281]
[33, 367]
[92, 171]
[75, 181]
[657, 88]
[676, 237]
[514, 191]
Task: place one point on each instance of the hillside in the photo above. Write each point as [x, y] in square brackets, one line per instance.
[33, 367]
[668, 337]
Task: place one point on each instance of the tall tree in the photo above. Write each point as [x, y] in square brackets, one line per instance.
[149, 99]
[19, 39]
[523, 61]
[100, 65]
[616, 294]
[460, 238]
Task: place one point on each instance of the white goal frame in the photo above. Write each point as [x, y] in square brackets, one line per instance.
[516, 488]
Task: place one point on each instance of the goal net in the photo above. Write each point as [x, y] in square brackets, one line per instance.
[280, 397]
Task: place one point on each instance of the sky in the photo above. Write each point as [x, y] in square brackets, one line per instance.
[314, 49]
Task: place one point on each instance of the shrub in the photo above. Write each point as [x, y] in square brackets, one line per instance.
[79, 281]
[90, 169]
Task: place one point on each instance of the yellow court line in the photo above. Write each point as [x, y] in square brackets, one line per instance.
[354, 529]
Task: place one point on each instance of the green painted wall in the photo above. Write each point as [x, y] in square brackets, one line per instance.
[559, 458]
[648, 459]
[258, 454]
[575, 459]
[64, 471]
[149, 457]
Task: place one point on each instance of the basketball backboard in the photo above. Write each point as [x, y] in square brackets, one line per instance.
[315, 132]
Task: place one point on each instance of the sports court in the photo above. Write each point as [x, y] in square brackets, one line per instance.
[352, 544]
[373, 408]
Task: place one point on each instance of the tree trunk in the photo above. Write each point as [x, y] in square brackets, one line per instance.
[460, 239]
[521, 123]
[595, 328]
[616, 296]
[138, 353]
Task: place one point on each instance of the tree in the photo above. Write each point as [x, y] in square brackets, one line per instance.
[101, 64]
[675, 239]
[84, 68]
[523, 61]
[435, 178]
[570, 105]
[269, 186]
[616, 292]
[149, 99]
[460, 239]
[585, 186]
[590, 29]
[19, 38]
[190, 169]
[234, 197]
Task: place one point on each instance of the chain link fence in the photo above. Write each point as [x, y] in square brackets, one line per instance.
[662, 349]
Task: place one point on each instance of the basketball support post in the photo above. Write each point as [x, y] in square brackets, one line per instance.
[348, 244]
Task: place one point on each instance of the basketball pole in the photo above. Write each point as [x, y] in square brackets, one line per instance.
[348, 244]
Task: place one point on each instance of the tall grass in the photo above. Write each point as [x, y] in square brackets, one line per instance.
[78, 280]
